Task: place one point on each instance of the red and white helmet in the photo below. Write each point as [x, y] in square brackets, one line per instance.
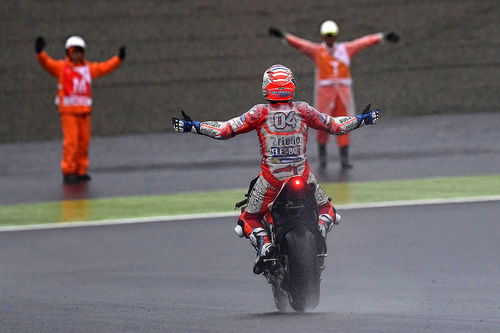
[278, 84]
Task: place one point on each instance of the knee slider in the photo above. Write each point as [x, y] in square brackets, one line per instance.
[239, 228]
[337, 219]
[243, 228]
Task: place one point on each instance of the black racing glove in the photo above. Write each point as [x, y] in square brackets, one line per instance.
[39, 44]
[276, 32]
[391, 37]
[122, 52]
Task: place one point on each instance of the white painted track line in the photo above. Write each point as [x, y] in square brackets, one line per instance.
[193, 217]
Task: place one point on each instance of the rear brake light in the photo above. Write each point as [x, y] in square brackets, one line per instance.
[297, 183]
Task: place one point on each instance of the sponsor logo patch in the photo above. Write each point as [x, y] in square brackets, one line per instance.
[209, 131]
[285, 151]
[215, 124]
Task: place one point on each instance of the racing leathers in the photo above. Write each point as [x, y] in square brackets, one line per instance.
[282, 129]
[332, 87]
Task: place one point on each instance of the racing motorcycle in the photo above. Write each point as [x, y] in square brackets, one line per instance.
[294, 268]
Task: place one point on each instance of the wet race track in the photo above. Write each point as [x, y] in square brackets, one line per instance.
[429, 268]
[401, 269]
[397, 148]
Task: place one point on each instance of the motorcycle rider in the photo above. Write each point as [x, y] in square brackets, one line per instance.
[282, 127]
[332, 87]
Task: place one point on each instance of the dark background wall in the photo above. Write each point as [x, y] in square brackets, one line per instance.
[207, 57]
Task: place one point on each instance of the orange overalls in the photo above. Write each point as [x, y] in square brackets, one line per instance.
[332, 87]
[74, 98]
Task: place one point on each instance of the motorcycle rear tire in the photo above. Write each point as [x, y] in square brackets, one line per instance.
[303, 273]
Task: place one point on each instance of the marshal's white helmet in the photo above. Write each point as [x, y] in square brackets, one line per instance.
[75, 41]
[329, 28]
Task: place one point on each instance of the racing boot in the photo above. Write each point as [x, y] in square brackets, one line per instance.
[265, 249]
[344, 157]
[327, 218]
[322, 156]
[71, 179]
[85, 178]
[326, 223]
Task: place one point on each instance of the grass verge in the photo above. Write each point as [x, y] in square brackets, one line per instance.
[223, 201]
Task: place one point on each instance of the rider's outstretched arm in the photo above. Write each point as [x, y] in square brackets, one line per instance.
[214, 129]
[220, 130]
[338, 125]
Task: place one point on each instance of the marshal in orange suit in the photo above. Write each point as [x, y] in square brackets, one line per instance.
[332, 87]
[74, 99]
